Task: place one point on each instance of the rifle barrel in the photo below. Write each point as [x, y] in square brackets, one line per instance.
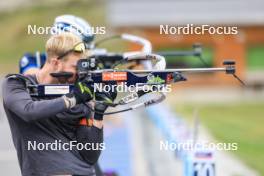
[181, 70]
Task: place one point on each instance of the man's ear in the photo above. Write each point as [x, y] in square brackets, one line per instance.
[54, 62]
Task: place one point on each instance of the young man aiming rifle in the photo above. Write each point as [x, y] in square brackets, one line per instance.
[47, 121]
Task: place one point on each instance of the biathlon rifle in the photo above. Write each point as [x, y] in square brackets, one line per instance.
[89, 73]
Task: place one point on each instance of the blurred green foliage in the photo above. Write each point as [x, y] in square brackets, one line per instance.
[255, 57]
[189, 61]
[15, 40]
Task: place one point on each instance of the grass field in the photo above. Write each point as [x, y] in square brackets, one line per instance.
[239, 122]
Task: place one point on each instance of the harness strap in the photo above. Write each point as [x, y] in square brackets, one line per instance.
[27, 80]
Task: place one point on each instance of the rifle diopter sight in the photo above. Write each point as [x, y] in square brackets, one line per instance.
[230, 66]
[230, 69]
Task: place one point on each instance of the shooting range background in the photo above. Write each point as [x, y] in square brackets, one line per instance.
[227, 112]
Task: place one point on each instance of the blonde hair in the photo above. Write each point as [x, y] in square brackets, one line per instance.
[61, 43]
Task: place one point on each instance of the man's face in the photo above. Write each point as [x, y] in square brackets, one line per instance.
[69, 64]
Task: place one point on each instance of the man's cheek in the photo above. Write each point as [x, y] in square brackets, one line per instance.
[66, 69]
[59, 67]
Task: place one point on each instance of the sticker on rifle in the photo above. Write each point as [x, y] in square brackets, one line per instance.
[169, 78]
[54, 90]
[114, 76]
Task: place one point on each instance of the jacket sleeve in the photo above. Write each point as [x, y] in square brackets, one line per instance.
[93, 136]
[17, 99]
